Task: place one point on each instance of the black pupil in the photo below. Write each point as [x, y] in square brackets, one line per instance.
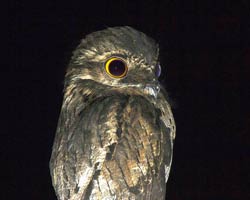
[117, 67]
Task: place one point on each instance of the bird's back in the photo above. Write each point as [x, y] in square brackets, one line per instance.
[118, 150]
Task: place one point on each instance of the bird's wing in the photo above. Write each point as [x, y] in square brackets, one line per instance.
[139, 158]
[116, 147]
[83, 141]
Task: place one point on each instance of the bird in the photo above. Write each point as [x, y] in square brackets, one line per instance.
[115, 133]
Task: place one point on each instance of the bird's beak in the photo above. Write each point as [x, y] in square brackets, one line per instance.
[152, 89]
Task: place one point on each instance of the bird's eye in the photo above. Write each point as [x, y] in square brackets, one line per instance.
[158, 70]
[116, 67]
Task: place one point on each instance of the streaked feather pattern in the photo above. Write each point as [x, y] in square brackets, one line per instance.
[114, 139]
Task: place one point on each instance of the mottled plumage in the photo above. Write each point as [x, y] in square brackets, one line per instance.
[114, 138]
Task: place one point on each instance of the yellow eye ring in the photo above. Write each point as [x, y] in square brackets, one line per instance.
[116, 67]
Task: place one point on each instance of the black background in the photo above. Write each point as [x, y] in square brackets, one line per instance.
[205, 48]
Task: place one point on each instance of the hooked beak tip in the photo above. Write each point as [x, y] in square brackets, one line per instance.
[152, 90]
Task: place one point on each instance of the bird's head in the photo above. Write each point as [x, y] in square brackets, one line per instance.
[115, 60]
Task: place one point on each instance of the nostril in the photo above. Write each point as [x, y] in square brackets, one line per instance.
[158, 88]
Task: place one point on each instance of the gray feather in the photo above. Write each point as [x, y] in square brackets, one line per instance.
[114, 138]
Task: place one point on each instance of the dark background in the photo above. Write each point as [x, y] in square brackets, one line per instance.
[205, 48]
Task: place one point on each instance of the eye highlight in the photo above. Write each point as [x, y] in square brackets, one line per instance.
[158, 70]
[116, 67]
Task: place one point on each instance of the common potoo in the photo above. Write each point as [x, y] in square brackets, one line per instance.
[115, 133]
